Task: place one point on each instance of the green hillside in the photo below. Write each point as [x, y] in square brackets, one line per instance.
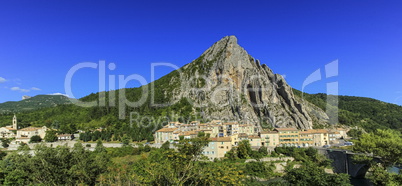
[368, 113]
[69, 118]
[33, 103]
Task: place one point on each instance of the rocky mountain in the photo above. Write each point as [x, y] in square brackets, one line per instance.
[225, 82]
[33, 103]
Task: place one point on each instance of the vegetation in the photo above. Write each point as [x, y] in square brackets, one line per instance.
[5, 142]
[51, 136]
[35, 139]
[305, 155]
[34, 103]
[311, 174]
[355, 133]
[367, 113]
[185, 165]
[383, 144]
[53, 166]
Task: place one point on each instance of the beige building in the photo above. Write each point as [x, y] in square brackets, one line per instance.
[320, 136]
[306, 138]
[218, 147]
[333, 137]
[288, 136]
[255, 141]
[270, 138]
[166, 134]
[247, 129]
[25, 134]
[9, 131]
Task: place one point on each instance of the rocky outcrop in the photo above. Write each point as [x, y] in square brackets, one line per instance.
[225, 82]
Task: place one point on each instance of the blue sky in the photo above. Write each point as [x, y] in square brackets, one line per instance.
[40, 41]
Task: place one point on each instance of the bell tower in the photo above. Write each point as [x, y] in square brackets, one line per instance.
[15, 122]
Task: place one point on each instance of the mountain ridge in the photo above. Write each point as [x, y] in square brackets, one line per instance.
[33, 103]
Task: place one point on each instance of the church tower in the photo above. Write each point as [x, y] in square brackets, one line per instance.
[15, 122]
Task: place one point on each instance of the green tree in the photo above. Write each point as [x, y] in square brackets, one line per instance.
[23, 147]
[258, 169]
[125, 140]
[54, 166]
[311, 174]
[5, 142]
[355, 133]
[99, 147]
[173, 167]
[50, 136]
[165, 145]
[35, 139]
[244, 149]
[263, 151]
[387, 145]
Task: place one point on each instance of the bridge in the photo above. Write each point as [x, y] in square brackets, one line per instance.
[343, 162]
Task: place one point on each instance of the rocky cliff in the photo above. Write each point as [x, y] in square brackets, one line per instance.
[225, 82]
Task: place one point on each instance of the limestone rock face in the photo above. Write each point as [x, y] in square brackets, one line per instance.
[225, 82]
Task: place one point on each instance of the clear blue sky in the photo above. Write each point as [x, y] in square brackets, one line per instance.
[41, 40]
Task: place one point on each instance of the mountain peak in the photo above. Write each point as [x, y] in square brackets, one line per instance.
[228, 39]
[231, 83]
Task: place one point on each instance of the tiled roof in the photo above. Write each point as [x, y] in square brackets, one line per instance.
[166, 130]
[316, 131]
[286, 129]
[30, 129]
[221, 139]
[253, 137]
[9, 128]
[269, 132]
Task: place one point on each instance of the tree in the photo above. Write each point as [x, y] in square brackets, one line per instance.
[173, 167]
[125, 140]
[258, 169]
[165, 145]
[311, 174]
[54, 166]
[355, 133]
[5, 142]
[23, 147]
[35, 139]
[263, 151]
[99, 147]
[244, 149]
[385, 144]
[50, 136]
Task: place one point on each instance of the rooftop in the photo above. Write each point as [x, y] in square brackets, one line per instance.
[221, 139]
[166, 130]
[286, 129]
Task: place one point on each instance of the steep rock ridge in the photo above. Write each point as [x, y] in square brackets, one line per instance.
[225, 82]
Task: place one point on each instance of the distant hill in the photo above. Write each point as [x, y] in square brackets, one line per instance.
[368, 113]
[33, 103]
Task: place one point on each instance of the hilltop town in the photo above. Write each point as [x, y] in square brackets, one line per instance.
[226, 135]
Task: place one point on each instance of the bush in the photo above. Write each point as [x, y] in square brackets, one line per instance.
[35, 139]
[5, 142]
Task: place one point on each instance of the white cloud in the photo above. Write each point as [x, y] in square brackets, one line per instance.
[19, 89]
[35, 88]
[2, 80]
[59, 94]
